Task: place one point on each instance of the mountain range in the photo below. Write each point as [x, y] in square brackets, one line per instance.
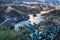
[10, 1]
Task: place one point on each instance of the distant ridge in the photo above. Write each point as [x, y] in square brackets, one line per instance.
[18, 1]
[11, 1]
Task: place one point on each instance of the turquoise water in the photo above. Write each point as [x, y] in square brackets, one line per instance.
[36, 21]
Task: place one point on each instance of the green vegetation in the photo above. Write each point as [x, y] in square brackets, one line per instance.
[7, 34]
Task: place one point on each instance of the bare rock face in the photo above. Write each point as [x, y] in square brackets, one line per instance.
[20, 12]
[12, 15]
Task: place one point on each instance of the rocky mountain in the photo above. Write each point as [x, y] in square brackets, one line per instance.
[16, 13]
